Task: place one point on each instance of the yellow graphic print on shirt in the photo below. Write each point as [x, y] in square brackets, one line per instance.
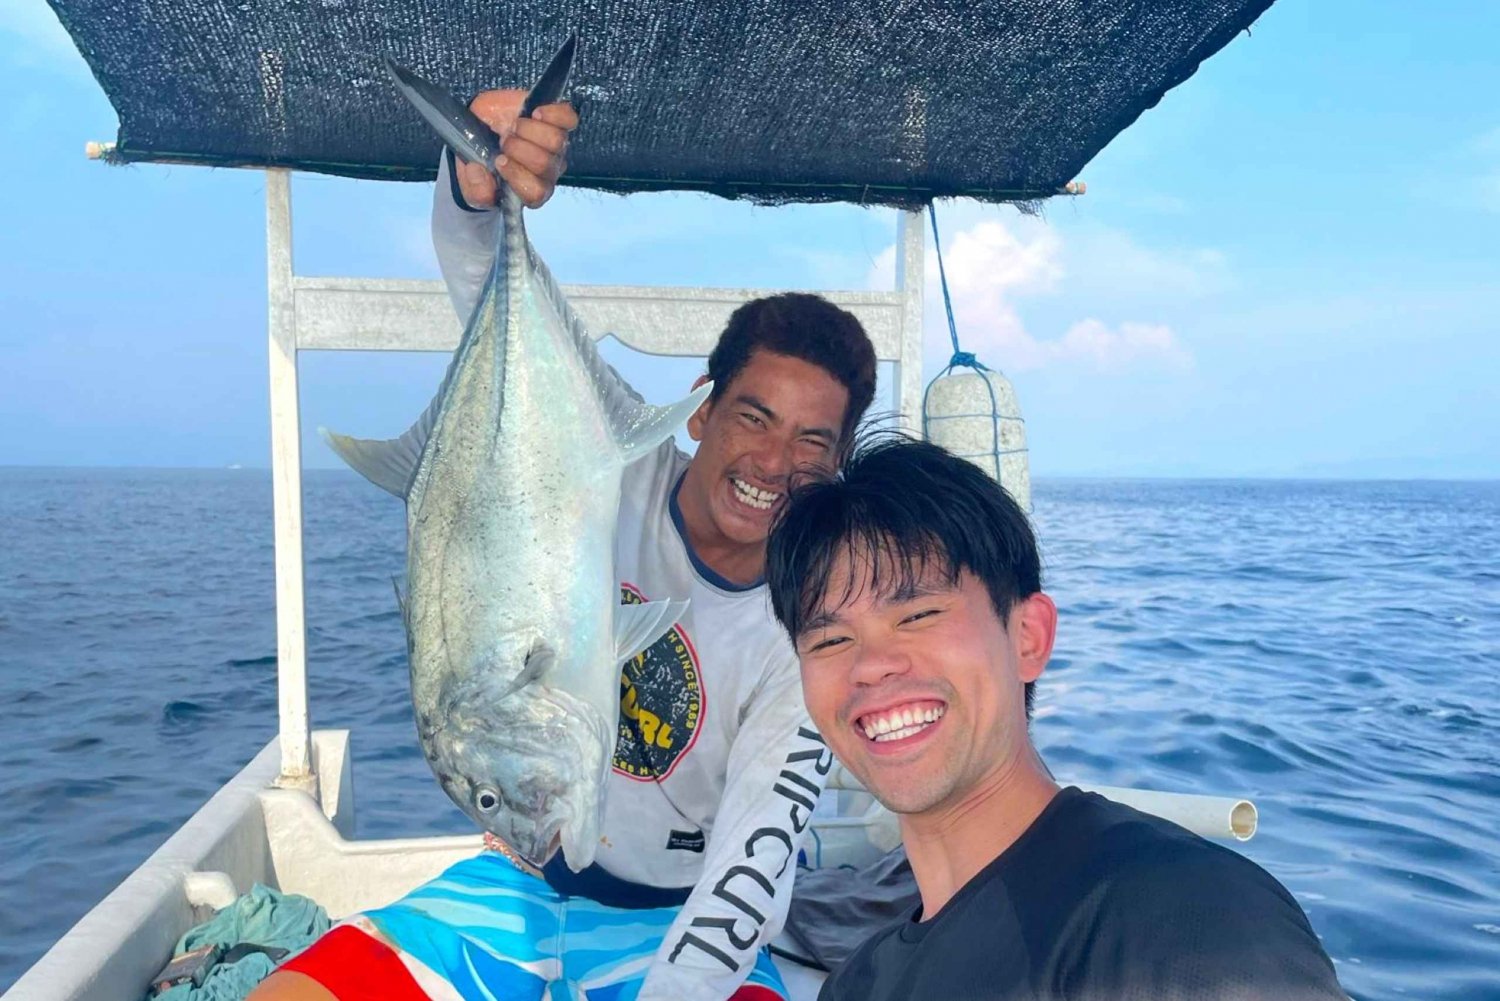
[661, 703]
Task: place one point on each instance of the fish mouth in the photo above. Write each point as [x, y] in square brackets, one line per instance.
[540, 853]
[529, 770]
[529, 829]
[526, 860]
[534, 844]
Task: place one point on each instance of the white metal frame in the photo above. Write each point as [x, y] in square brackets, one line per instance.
[365, 314]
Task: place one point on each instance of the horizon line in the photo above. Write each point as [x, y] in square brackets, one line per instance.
[1117, 475]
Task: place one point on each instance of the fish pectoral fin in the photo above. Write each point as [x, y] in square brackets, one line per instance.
[640, 427]
[639, 626]
[539, 660]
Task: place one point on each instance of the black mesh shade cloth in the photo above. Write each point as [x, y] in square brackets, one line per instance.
[891, 102]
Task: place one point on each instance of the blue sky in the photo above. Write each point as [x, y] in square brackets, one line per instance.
[1291, 267]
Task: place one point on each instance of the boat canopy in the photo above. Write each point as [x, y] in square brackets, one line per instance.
[891, 102]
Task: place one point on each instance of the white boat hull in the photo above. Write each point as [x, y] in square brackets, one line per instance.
[252, 832]
[249, 832]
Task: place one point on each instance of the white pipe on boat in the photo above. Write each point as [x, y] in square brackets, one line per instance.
[1206, 816]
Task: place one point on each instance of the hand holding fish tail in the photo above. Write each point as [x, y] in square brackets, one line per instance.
[534, 150]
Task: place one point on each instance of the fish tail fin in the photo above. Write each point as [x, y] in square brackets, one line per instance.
[549, 87]
[460, 128]
[639, 626]
[640, 427]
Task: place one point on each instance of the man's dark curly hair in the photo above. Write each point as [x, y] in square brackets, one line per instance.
[805, 326]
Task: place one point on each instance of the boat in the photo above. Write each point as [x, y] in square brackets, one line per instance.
[270, 87]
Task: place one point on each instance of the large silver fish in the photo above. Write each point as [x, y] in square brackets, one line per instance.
[512, 484]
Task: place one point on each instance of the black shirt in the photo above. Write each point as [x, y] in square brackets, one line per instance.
[1099, 902]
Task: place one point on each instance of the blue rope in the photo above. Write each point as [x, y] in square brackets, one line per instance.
[961, 358]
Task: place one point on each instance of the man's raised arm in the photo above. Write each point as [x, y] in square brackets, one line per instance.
[534, 154]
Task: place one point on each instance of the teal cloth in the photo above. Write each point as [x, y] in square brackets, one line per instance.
[263, 917]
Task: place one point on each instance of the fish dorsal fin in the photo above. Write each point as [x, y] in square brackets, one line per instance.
[639, 626]
[390, 464]
[637, 426]
[644, 426]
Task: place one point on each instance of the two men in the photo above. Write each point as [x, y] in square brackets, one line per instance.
[912, 588]
[716, 768]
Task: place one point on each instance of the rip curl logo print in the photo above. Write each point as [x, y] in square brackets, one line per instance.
[661, 703]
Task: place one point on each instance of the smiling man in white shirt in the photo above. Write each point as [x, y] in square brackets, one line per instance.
[716, 767]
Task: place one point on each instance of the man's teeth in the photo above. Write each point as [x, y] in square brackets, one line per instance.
[901, 723]
[757, 498]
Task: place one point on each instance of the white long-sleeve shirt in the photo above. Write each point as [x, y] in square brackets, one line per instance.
[717, 767]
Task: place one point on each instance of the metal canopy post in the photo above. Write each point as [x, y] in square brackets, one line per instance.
[911, 241]
[286, 488]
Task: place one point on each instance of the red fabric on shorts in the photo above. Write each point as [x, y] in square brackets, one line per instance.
[355, 967]
[352, 966]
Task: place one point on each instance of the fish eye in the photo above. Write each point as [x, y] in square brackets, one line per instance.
[487, 800]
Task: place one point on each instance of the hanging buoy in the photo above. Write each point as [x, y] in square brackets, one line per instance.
[972, 412]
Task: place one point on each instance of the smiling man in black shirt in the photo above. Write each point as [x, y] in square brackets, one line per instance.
[912, 588]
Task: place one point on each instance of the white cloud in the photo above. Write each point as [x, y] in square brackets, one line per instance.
[992, 264]
[1112, 265]
[1095, 343]
[989, 260]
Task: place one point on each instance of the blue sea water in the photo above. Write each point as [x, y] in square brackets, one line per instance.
[1330, 649]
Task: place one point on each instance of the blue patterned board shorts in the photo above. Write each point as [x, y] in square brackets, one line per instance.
[484, 929]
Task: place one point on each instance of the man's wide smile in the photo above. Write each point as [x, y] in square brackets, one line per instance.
[753, 496]
[902, 725]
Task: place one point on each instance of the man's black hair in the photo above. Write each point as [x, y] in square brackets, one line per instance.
[900, 507]
[804, 326]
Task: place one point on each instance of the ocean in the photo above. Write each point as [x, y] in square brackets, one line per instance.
[1329, 649]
